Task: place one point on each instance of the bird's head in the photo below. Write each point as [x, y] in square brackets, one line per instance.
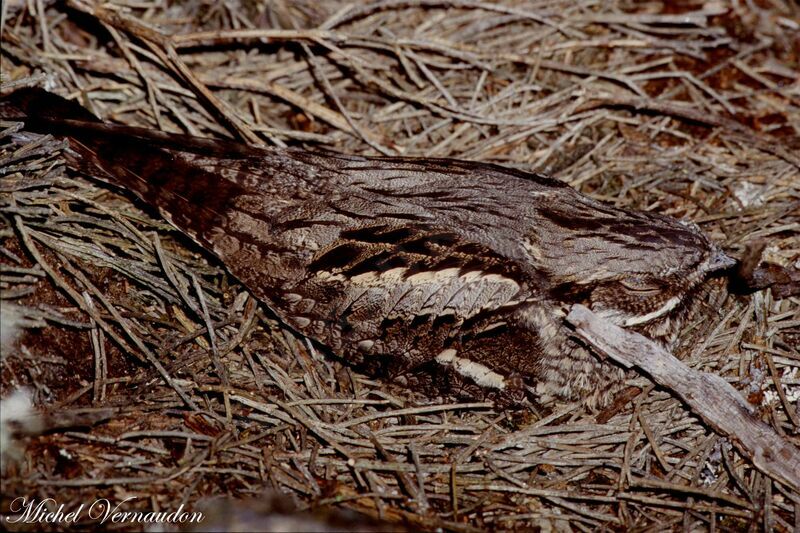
[639, 270]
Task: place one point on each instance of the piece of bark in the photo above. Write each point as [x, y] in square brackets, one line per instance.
[708, 395]
[753, 275]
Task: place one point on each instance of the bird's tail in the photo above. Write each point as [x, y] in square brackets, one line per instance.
[163, 169]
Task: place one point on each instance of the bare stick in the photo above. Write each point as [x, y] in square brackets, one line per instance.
[709, 395]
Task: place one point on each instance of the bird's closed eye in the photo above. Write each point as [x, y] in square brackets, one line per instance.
[640, 286]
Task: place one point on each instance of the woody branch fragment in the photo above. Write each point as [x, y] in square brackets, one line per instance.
[708, 395]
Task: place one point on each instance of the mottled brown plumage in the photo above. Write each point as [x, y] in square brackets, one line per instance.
[448, 273]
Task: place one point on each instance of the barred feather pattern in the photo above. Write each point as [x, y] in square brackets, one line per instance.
[451, 275]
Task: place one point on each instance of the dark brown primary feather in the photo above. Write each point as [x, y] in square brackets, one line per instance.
[452, 273]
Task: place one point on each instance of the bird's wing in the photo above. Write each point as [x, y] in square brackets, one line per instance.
[391, 297]
[389, 286]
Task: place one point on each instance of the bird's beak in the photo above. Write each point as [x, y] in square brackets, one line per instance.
[720, 261]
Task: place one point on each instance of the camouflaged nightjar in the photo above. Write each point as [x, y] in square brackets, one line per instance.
[455, 275]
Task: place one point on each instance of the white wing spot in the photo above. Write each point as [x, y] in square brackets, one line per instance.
[480, 374]
[664, 309]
